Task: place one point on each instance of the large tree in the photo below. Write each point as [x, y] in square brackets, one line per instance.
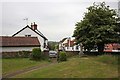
[98, 27]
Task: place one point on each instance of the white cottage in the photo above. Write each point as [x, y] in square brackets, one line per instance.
[33, 32]
[68, 44]
[15, 44]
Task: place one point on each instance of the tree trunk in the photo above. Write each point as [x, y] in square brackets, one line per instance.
[100, 48]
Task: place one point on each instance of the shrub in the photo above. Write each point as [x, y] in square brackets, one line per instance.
[62, 56]
[36, 54]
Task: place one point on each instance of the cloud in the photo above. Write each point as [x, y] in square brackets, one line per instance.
[55, 20]
[58, 0]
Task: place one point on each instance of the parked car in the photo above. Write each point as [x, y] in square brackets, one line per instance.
[52, 54]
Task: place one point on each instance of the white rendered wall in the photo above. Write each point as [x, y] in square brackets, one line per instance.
[28, 31]
[72, 48]
[14, 49]
[65, 41]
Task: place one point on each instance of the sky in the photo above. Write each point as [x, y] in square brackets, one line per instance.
[56, 19]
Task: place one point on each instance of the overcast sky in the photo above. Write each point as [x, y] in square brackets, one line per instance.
[55, 18]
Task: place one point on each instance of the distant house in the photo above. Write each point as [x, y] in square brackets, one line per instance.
[68, 44]
[112, 47]
[13, 44]
[33, 32]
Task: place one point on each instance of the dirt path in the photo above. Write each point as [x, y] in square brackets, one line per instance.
[9, 75]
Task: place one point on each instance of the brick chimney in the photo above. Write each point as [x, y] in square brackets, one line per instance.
[34, 26]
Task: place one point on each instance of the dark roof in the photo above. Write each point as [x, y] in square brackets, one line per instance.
[36, 31]
[63, 39]
[6, 41]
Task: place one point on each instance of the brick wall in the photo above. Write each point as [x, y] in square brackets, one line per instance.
[26, 54]
[22, 54]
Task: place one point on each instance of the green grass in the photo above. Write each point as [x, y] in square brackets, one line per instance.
[0, 67]
[109, 59]
[11, 65]
[85, 67]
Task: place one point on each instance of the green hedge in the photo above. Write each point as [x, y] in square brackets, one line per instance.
[36, 54]
[62, 56]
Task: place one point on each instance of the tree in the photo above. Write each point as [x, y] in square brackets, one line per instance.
[98, 27]
[52, 45]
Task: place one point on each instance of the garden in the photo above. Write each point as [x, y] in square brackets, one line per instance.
[101, 66]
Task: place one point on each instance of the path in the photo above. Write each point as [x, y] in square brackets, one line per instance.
[9, 75]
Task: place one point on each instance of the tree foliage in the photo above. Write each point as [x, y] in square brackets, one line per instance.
[52, 45]
[98, 27]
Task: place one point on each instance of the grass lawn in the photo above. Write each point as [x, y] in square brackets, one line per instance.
[85, 67]
[11, 65]
[0, 67]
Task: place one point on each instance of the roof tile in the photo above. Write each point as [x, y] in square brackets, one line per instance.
[6, 41]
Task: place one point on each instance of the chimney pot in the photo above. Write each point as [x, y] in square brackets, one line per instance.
[34, 26]
[34, 23]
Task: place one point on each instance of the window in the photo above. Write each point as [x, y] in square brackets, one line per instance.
[67, 47]
[77, 47]
[27, 35]
[72, 48]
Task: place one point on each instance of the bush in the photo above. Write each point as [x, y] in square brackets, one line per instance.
[62, 56]
[36, 54]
